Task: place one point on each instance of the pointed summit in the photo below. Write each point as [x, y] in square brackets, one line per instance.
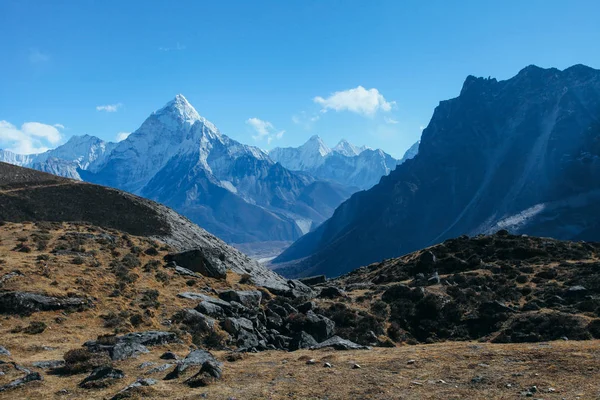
[316, 145]
[347, 149]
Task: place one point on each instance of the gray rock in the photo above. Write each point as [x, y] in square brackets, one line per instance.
[30, 377]
[4, 351]
[196, 261]
[313, 280]
[160, 368]
[133, 344]
[306, 307]
[125, 350]
[9, 276]
[50, 364]
[210, 371]
[339, 344]
[185, 272]
[25, 303]
[331, 292]
[210, 309]
[124, 393]
[235, 325]
[195, 319]
[302, 341]
[204, 297]
[319, 326]
[102, 377]
[248, 298]
[169, 355]
[146, 364]
[195, 358]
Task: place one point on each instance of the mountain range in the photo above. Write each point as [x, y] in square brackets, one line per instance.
[235, 191]
[346, 163]
[521, 154]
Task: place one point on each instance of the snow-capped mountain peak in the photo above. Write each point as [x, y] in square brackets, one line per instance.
[316, 145]
[347, 149]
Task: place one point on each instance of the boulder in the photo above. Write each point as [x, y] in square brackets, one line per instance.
[210, 309]
[195, 358]
[248, 298]
[196, 261]
[131, 344]
[235, 325]
[318, 326]
[169, 355]
[50, 364]
[338, 343]
[4, 351]
[313, 280]
[29, 377]
[331, 292]
[25, 303]
[302, 341]
[195, 319]
[102, 377]
[210, 372]
[127, 392]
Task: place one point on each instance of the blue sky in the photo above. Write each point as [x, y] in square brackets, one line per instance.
[369, 71]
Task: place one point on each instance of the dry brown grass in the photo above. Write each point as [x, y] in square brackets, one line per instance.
[441, 371]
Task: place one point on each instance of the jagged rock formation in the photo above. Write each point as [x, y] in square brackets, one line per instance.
[521, 154]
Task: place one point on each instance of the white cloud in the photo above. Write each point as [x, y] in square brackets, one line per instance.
[421, 127]
[37, 57]
[31, 138]
[178, 47]
[389, 120]
[59, 126]
[358, 100]
[122, 136]
[109, 107]
[264, 130]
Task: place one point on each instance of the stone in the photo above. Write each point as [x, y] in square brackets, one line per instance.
[195, 319]
[146, 364]
[29, 377]
[331, 292]
[248, 298]
[125, 350]
[410, 362]
[306, 307]
[339, 344]
[160, 368]
[311, 361]
[356, 366]
[318, 326]
[327, 365]
[25, 303]
[210, 309]
[185, 272]
[195, 260]
[126, 392]
[4, 351]
[132, 344]
[102, 377]
[169, 355]
[235, 325]
[210, 371]
[196, 357]
[302, 341]
[50, 364]
[313, 280]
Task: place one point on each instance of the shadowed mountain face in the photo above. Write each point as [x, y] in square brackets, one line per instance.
[30, 195]
[521, 154]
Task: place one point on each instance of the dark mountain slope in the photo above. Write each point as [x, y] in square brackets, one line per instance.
[29, 195]
[521, 154]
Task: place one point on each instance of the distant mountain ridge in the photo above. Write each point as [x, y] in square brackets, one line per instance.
[521, 154]
[346, 163]
[181, 159]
